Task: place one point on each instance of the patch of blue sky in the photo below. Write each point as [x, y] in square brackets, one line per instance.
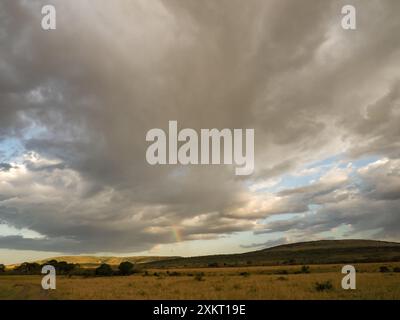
[34, 130]
[359, 163]
[286, 181]
[10, 149]
[305, 175]
[364, 161]
[280, 217]
[327, 162]
[311, 172]
[346, 231]
[290, 181]
[338, 232]
[314, 207]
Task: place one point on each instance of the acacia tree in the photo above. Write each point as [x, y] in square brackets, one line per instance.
[125, 268]
[62, 267]
[28, 268]
[104, 270]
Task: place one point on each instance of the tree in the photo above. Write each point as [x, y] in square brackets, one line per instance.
[62, 267]
[52, 263]
[126, 268]
[104, 270]
[28, 268]
[2, 268]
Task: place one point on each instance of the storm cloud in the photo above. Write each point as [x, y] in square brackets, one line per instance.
[79, 101]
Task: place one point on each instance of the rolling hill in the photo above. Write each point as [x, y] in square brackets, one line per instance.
[313, 252]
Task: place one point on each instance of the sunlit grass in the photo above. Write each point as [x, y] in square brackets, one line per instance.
[216, 283]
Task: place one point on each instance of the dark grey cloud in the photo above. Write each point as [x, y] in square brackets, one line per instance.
[5, 166]
[82, 98]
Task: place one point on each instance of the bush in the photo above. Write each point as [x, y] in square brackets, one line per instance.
[323, 286]
[305, 269]
[2, 268]
[396, 269]
[384, 269]
[126, 268]
[104, 270]
[199, 276]
[245, 274]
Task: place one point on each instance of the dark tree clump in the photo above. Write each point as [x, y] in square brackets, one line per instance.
[104, 270]
[126, 268]
[28, 268]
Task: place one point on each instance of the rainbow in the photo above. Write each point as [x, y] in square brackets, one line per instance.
[176, 233]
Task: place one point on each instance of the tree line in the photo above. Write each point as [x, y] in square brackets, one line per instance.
[64, 268]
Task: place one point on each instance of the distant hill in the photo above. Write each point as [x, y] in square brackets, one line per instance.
[95, 261]
[313, 252]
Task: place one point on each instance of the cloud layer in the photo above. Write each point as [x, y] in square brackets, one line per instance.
[79, 100]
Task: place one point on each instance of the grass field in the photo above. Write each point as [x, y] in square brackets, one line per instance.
[214, 283]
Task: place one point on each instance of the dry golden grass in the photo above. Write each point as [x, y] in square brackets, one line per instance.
[217, 283]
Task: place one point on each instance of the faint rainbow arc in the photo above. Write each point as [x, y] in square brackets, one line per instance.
[176, 232]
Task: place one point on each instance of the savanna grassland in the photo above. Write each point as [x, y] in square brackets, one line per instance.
[266, 282]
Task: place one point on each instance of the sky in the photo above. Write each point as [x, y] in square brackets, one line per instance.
[76, 104]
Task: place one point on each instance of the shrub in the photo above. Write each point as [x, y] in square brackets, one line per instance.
[305, 269]
[2, 268]
[199, 276]
[322, 286]
[245, 274]
[125, 268]
[396, 269]
[384, 269]
[104, 270]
